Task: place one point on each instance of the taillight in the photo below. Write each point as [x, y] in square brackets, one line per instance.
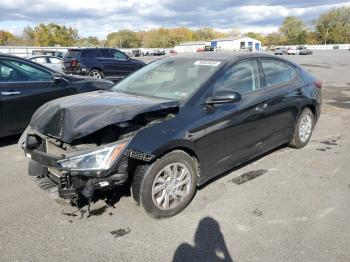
[318, 84]
[74, 63]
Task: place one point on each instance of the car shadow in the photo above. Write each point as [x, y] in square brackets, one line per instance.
[209, 244]
[9, 140]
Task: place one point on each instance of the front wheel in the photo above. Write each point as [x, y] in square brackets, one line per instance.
[165, 187]
[303, 129]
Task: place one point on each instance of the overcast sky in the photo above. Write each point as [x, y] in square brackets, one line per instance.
[100, 17]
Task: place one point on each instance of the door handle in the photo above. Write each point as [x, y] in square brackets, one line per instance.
[10, 93]
[261, 107]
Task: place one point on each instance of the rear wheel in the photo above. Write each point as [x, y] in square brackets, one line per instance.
[303, 129]
[165, 187]
[95, 73]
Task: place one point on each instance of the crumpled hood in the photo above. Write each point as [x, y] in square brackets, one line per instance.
[76, 116]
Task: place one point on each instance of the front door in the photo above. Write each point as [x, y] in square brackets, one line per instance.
[23, 88]
[234, 131]
[123, 65]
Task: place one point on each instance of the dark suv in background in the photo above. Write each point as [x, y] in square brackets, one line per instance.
[106, 63]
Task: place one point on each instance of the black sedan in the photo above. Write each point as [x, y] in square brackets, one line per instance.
[26, 85]
[172, 126]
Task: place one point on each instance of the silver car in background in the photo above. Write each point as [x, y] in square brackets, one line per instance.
[52, 62]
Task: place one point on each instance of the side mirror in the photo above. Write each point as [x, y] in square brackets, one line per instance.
[224, 97]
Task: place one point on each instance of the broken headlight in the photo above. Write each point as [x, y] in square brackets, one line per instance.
[101, 159]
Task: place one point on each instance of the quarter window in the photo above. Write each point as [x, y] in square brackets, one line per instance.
[277, 72]
[241, 78]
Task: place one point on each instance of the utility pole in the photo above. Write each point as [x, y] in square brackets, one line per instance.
[325, 39]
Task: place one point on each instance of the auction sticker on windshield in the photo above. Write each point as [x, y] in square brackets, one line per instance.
[207, 63]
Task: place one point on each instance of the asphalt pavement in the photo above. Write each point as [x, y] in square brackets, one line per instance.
[288, 205]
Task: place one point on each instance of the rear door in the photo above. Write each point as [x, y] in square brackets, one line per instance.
[106, 59]
[24, 87]
[285, 88]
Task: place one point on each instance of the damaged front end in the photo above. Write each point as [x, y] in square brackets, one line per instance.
[77, 171]
[100, 160]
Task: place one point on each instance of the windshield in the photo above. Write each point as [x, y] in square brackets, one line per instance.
[174, 79]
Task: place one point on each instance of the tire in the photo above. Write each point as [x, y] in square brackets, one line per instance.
[146, 183]
[95, 73]
[300, 138]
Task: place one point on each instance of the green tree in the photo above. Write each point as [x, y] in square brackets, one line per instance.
[274, 38]
[123, 39]
[312, 38]
[206, 34]
[157, 38]
[333, 27]
[90, 41]
[180, 34]
[28, 36]
[54, 34]
[6, 38]
[256, 36]
[294, 30]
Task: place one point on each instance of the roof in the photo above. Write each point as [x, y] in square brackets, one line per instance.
[222, 56]
[192, 43]
[227, 39]
[10, 55]
[37, 56]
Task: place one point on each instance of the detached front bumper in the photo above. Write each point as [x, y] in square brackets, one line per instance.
[70, 184]
[74, 186]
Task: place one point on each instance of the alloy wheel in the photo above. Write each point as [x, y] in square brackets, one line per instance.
[95, 74]
[171, 186]
[305, 128]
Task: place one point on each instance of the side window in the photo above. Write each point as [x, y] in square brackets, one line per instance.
[119, 55]
[241, 78]
[88, 53]
[277, 72]
[15, 71]
[40, 60]
[105, 53]
[6, 73]
[54, 60]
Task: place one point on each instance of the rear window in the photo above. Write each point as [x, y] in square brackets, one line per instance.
[71, 54]
[89, 53]
[277, 72]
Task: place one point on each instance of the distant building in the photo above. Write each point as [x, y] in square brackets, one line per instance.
[191, 47]
[223, 44]
[235, 43]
